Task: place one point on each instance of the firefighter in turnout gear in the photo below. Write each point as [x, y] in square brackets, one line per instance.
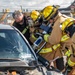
[68, 45]
[51, 51]
[63, 34]
[52, 15]
[37, 21]
[46, 50]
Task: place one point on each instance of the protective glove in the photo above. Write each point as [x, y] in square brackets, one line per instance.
[45, 37]
[36, 35]
[33, 36]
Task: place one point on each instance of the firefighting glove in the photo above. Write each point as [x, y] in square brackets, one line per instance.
[45, 37]
[38, 34]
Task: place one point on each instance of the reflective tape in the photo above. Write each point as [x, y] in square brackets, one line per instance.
[46, 37]
[56, 46]
[70, 63]
[68, 53]
[33, 37]
[46, 50]
[24, 31]
[64, 38]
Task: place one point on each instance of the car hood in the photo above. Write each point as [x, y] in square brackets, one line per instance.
[17, 65]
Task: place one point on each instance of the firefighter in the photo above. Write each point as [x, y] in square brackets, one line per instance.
[68, 27]
[21, 23]
[52, 51]
[37, 20]
[46, 52]
[4, 15]
[51, 14]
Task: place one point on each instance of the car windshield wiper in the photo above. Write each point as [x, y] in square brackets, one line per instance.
[10, 59]
[15, 62]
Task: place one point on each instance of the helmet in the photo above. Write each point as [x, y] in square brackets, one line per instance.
[34, 15]
[49, 12]
[68, 22]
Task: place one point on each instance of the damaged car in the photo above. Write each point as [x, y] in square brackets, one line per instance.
[16, 55]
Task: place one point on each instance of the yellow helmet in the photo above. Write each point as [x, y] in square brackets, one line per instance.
[48, 12]
[68, 22]
[34, 15]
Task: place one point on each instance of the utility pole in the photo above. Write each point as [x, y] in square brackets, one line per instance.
[21, 7]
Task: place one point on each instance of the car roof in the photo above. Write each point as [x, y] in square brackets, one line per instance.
[2, 26]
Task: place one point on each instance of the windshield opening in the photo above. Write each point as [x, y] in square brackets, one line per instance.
[13, 46]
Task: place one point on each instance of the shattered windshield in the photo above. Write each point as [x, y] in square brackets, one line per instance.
[12, 45]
